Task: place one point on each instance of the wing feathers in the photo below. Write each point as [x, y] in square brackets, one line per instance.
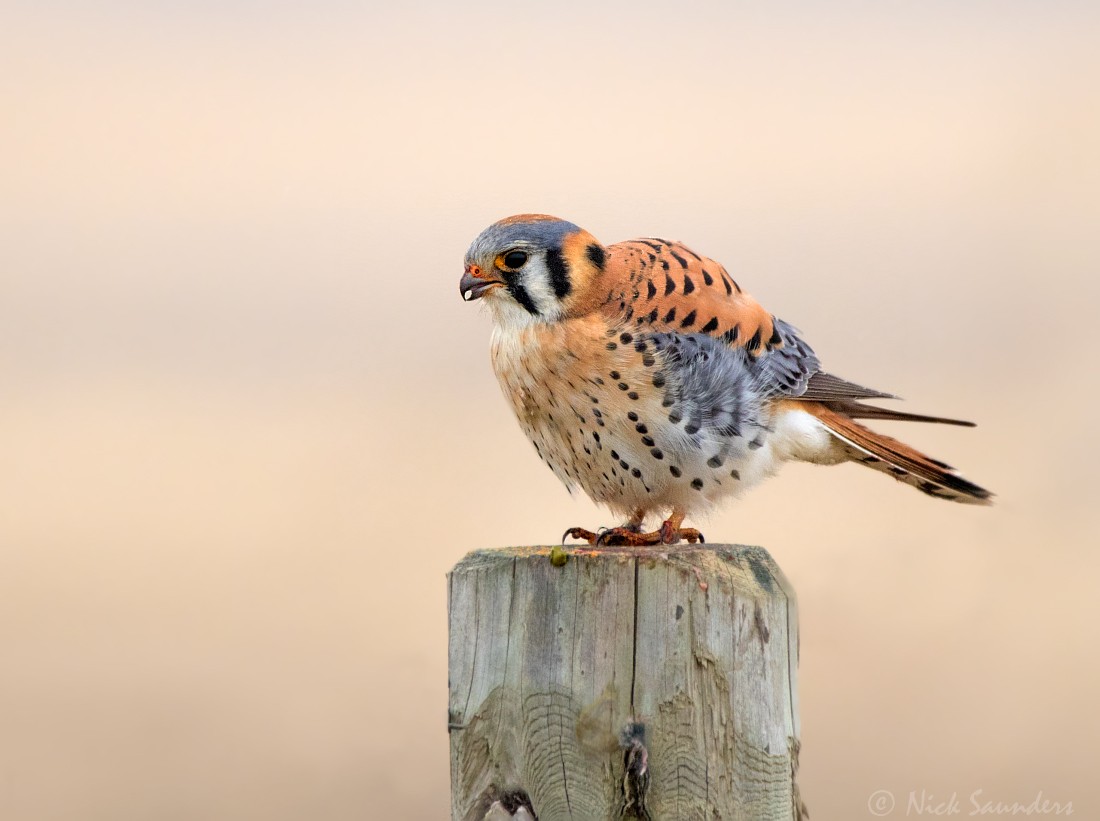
[825, 386]
[857, 410]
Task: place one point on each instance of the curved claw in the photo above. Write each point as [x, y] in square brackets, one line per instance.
[604, 535]
[580, 533]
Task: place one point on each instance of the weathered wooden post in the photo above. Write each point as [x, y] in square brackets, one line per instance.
[623, 683]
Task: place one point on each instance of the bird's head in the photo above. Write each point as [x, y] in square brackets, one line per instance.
[532, 268]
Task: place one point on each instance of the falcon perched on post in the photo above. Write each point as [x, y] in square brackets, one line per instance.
[643, 373]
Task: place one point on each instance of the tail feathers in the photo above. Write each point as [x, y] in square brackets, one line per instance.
[906, 464]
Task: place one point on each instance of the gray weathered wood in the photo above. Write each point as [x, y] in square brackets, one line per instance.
[629, 682]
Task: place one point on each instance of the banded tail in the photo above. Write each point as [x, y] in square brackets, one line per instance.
[888, 455]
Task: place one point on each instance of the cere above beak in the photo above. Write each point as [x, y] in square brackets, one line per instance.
[474, 285]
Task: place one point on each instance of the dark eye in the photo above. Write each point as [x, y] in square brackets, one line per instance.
[515, 259]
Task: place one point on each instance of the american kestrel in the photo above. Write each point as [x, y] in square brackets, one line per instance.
[643, 373]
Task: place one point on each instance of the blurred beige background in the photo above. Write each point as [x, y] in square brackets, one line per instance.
[246, 423]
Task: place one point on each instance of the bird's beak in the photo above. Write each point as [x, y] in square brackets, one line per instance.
[474, 284]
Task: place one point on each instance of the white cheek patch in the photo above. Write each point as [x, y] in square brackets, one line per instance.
[535, 278]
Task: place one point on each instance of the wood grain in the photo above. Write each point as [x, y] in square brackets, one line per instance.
[626, 683]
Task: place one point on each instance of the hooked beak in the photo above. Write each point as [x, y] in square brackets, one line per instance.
[474, 284]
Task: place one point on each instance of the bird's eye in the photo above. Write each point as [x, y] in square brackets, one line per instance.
[515, 259]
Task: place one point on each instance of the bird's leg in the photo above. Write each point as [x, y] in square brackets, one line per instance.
[629, 533]
[672, 533]
[634, 523]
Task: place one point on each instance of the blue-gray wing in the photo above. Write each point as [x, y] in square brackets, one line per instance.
[721, 388]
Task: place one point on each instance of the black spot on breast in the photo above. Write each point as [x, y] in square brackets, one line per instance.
[626, 339]
[715, 461]
[611, 346]
[656, 453]
[637, 474]
[595, 255]
[707, 278]
[691, 429]
[683, 262]
[623, 464]
[697, 484]
[671, 315]
[648, 442]
[651, 317]
[658, 380]
[559, 272]
[675, 417]
[623, 386]
[670, 286]
[689, 286]
[615, 455]
[632, 416]
[688, 320]
[651, 289]
[614, 374]
[735, 474]
[640, 427]
[648, 360]
[632, 395]
[711, 326]
[675, 471]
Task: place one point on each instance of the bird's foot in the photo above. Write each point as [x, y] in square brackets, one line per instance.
[672, 534]
[628, 536]
[625, 536]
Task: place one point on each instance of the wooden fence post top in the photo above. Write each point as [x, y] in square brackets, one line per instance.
[751, 567]
[622, 682]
